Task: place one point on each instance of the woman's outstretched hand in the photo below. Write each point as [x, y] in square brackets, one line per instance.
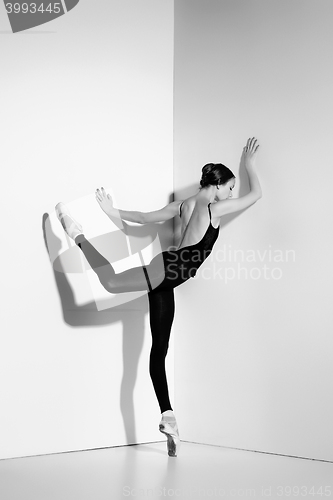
[104, 200]
[249, 151]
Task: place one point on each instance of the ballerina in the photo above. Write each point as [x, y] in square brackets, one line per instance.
[200, 215]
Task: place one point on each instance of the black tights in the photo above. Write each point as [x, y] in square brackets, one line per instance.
[160, 288]
[161, 314]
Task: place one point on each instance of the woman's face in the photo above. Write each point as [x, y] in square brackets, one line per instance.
[225, 190]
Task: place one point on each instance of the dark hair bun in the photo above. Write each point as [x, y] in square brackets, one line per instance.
[207, 168]
[214, 174]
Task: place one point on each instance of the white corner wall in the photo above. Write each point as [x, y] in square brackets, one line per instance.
[253, 360]
[86, 101]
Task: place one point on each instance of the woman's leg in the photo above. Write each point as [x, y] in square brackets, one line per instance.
[161, 313]
[162, 310]
[132, 280]
[167, 269]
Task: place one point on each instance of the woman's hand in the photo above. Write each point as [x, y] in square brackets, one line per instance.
[249, 151]
[104, 200]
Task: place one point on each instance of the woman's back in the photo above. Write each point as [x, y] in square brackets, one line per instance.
[195, 221]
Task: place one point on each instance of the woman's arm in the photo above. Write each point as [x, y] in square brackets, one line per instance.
[116, 215]
[165, 213]
[229, 206]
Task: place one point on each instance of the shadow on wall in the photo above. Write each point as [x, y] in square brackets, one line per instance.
[89, 315]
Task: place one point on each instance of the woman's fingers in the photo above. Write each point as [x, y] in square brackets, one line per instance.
[251, 146]
[249, 143]
[98, 195]
[102, 195]
[101, 192]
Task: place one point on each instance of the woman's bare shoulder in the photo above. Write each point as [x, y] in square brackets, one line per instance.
[197, 206]
[188, 200]
[188, 204]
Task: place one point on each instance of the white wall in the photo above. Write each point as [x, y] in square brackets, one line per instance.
[254, 350]
[86, 101]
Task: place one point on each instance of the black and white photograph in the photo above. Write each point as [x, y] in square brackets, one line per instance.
[166, 320]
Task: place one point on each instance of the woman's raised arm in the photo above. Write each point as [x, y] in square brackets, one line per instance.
[224, 207]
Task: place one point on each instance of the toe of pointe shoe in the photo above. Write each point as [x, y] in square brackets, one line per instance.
[59, 208]
[173, 441]
[62, 210]
[173, 445]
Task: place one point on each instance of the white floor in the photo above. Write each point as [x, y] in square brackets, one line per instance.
[146, 471]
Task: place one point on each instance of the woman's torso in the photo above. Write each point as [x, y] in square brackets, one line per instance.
[195, 221]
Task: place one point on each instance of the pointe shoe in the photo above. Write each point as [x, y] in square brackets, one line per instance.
[169, 427]
[70, 225]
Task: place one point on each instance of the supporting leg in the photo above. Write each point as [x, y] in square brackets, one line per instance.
[161, 312]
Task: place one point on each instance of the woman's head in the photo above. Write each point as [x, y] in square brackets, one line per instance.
[217, 174]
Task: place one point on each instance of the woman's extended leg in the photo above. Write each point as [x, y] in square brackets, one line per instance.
[132, 280]
[165, 269]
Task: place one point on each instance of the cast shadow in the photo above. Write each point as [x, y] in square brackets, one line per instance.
[89, 315]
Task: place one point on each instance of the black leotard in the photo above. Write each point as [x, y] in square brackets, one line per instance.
[210, 236]
[183, 263]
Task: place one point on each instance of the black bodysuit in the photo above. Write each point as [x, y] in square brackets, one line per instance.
[182, 264]
[179, 265]
[165, 272]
